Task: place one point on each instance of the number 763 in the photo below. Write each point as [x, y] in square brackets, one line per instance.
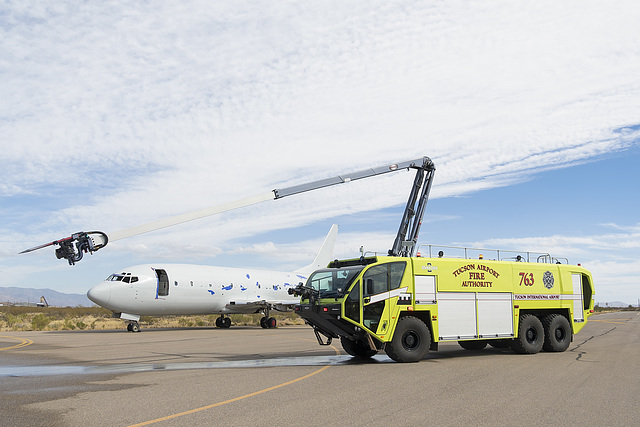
[526, 279]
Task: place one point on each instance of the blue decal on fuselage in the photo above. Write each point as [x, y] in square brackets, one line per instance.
[209, 290]
[242, 288]
[227, 288]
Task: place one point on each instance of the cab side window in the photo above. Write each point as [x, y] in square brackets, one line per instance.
[383, 278]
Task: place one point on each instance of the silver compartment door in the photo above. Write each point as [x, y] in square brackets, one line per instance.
[495, 314]
[457, 315]
[425, 289]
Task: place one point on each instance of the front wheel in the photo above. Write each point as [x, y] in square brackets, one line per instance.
[411, 340]
[530, 335]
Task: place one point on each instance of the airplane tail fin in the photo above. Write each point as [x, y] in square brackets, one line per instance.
[324, 256]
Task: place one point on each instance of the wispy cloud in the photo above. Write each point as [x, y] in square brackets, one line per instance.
[136, 111]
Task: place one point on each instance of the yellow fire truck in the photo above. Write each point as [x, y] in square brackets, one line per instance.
[408, 304]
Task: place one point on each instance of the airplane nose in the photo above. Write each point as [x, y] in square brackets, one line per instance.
[100, 294]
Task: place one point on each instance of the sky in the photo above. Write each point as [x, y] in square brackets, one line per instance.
[115, 114]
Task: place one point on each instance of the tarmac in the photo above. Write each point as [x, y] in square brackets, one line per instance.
[251, 376]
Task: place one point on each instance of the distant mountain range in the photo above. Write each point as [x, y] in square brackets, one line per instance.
[54, 298]
[616, 304]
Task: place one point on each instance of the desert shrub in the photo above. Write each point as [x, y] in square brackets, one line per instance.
[185, 322]
[81, 325]
[11, 319]
[68, 325]
[39, 322]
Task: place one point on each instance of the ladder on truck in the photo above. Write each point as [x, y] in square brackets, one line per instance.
[407, 236]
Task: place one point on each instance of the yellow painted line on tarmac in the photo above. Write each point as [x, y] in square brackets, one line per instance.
[235, 399]
[24, 342]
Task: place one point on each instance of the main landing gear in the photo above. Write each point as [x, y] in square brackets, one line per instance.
[268, 322]
[223, 322]
[133, 326]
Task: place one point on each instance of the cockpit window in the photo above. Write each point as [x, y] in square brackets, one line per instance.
[124, 277]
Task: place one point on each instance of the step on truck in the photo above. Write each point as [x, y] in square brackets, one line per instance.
[406, 305]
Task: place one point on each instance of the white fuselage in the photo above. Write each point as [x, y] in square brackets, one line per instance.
[183, 289]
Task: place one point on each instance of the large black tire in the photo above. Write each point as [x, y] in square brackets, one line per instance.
[557, 332]
[473, 345]
[530, 335]
[411, 340]
[357, 348]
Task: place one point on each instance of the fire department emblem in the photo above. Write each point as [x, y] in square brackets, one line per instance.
[547, 279]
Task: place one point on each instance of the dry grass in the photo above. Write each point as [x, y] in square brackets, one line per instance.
[72, 318]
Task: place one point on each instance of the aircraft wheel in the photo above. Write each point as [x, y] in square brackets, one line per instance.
[135, 327]
[219, 322]
[129, 327]
[263, 322]
[226, 322]
[271, 322]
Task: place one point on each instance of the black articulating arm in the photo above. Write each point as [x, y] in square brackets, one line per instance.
[407, 236]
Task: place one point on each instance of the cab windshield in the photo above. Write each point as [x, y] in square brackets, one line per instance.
[333, 282]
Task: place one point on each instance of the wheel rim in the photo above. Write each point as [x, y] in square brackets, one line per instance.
[560, 334]
[410, 340]
[532, 335]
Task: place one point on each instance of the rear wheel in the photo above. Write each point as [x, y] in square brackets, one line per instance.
[530, 335]
[473, 345]
[410, 342]
[357, 348]
[557, 332]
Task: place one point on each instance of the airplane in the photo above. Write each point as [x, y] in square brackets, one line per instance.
[185, 289]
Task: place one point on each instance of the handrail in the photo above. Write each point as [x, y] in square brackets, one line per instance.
[481, 253]
[540, 257]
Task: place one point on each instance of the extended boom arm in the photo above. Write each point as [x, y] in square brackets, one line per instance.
[94, 240]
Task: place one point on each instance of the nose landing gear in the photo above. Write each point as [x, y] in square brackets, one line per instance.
[223, 322]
